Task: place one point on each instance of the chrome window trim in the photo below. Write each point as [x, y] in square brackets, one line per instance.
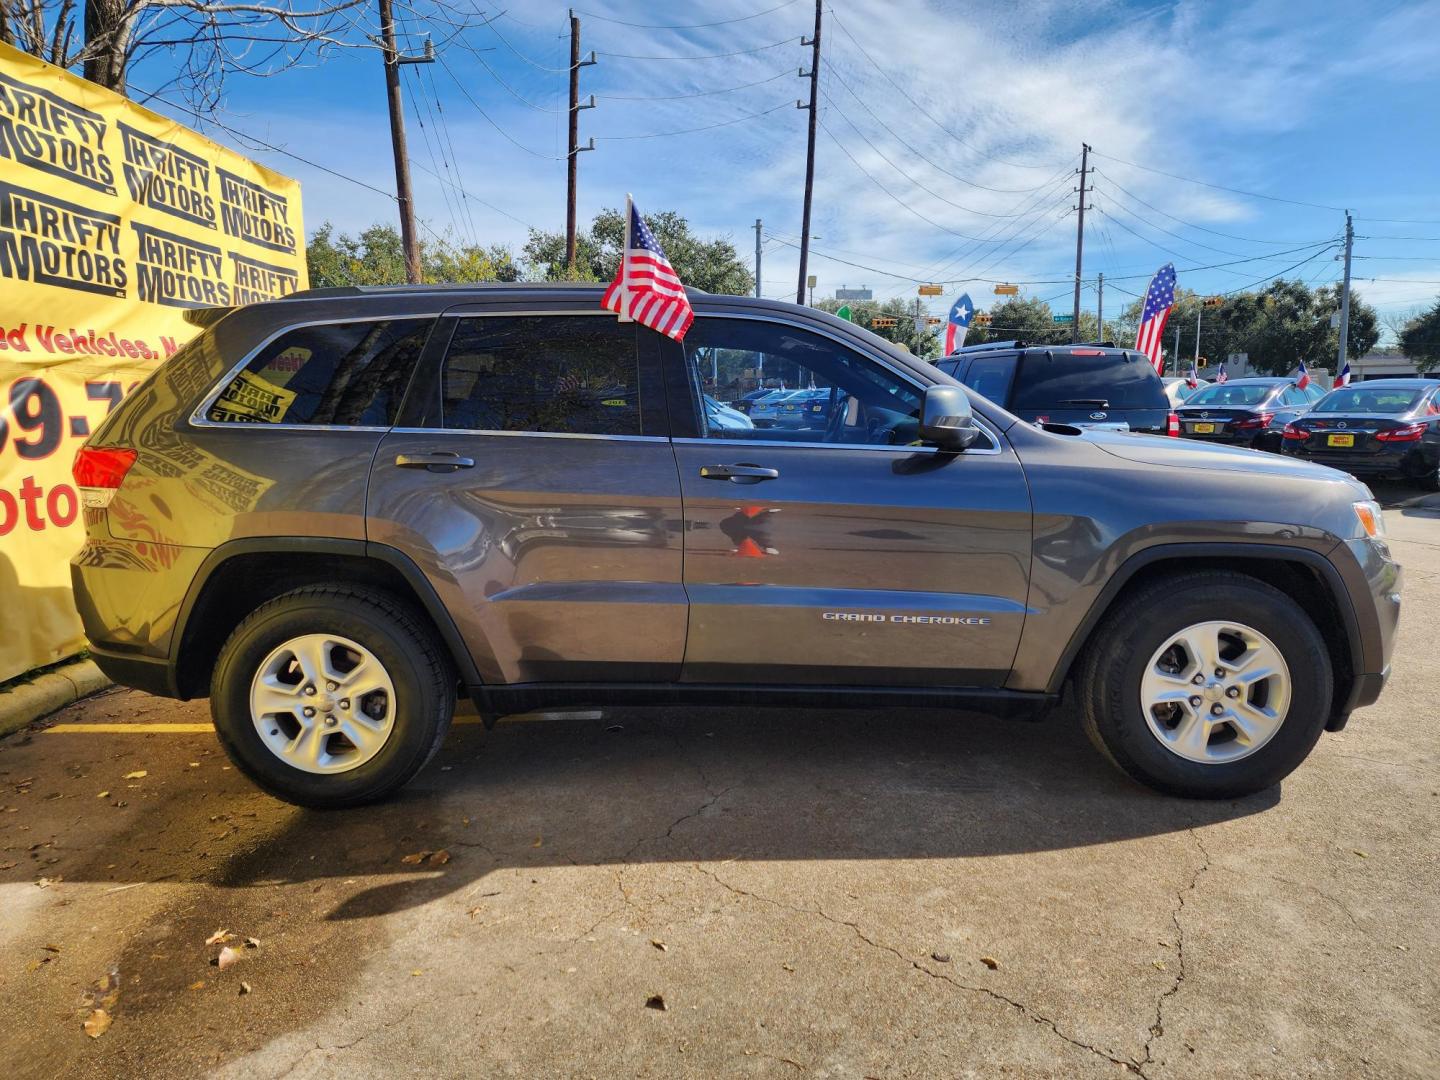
[903, 376]
[992, 451]
[197, 415]
[526, 434]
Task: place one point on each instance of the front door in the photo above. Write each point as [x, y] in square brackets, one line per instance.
[536, 489]
[822, 544]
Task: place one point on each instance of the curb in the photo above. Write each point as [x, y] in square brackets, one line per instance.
[61, 686]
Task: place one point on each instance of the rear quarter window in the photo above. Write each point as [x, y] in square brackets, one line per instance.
[1061, 379]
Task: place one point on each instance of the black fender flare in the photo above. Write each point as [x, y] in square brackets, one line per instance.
[397, 560]
[1315, 560]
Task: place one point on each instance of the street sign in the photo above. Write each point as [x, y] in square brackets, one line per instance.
[854, 294]
[931, 290]
[1007, 290]
[810, 281]
[1062, 318]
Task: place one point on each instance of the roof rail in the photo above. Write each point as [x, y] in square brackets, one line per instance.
[989, 345]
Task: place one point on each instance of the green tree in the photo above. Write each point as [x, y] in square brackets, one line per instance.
[924, 343]
[1420, 339]
[375, 257]
[713, 265]
[1031, 320]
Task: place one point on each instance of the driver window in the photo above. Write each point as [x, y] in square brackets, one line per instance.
[763, 380]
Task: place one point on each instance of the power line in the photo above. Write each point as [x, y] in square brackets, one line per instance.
[470, 98]
[788, 72]
[1220, 187]
[923, 111]
[1189, 224]
[700, 56]
[684, 26]
[688, 131]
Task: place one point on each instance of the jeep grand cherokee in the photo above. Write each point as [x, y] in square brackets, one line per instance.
[331, 513]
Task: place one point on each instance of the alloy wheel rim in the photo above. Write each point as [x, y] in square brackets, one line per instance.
[322, 703]
[1215, 692]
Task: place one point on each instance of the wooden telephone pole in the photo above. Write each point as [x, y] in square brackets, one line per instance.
[814, 76]
[404, 195]
[576, 149]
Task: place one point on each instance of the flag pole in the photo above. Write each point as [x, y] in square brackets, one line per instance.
[624, 311]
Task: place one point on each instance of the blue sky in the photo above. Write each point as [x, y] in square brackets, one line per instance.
[946, 153]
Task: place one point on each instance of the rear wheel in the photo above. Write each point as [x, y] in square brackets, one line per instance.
[1206, 685]
[332, 696]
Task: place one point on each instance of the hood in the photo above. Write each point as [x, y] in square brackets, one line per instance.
[1190, 454]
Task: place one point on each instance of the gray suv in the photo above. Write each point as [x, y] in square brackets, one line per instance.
[334, 512]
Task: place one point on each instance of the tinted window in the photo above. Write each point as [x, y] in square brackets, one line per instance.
[1315, 391]
[990, 376]
[1065, 380]
[825, 392]
[1292, 396]
[570, 374]
[350, 374]
[1227, 394]
[1362, 399]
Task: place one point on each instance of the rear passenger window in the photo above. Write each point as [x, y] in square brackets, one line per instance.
[567, 374]
[990, 377]
[333, 375]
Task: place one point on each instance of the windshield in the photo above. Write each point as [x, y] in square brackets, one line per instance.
[1361, 399]
[1225, 394]
[1066, 380]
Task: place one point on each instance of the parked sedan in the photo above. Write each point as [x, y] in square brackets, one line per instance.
[1388, 429]
[1246, 412]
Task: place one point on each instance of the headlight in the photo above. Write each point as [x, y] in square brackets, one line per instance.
[1371, 519]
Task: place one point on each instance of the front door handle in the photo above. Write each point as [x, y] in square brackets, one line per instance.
[439, 461]
[739, 474]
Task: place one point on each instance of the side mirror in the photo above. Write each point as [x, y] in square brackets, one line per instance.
[946, 419]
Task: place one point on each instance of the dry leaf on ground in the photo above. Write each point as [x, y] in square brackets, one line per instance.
[198, 984]
[244, 988]
[415, 859]
[97, 1023]
[657, 1002]
[659, 944]
[252, 942]
[138, 774]
[219, 937]
[227, 957]
[440, 857]
[990, 962]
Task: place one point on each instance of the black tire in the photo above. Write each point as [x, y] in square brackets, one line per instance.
[416, 662]
[1128, 636]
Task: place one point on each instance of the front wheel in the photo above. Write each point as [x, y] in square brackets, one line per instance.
[1207, 685]
[332, 696]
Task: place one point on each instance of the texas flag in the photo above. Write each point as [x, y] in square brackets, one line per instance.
[1192, 380]
[1304, 378]
[958, 323]
[1222, 377]
[1343, 379]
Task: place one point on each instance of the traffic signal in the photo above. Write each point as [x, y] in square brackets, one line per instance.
[883, 321]
[981, 319]
[1214, 301]
[1204, 362]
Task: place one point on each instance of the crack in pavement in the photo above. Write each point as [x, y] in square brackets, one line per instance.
[1157, 1029]
[320, 1048]
[1026, 1011]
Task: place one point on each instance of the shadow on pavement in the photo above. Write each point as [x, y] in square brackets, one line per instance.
[663, 785]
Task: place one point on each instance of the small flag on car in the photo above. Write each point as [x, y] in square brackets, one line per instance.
[959, 322]
[1343, 379]
[1304, 377]
[1192, 380]
[1222, 377]
[646, 288]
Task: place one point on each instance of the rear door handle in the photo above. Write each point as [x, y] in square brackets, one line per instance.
[739, 474]
[439, 461]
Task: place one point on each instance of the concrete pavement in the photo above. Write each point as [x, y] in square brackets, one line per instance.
[724, 892]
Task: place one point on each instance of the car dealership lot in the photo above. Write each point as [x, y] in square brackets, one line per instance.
[805, 893]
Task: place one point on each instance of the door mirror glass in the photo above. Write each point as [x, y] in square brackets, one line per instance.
[946, 419]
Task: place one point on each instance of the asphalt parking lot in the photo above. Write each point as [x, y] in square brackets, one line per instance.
[721, 892]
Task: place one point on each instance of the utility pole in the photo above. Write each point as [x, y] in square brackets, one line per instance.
[814, 76]
[1345, 295]
[1195, 361]
[1100, 305]
[757, 258]
[403, 193]
[1080, 240]
[573, 158]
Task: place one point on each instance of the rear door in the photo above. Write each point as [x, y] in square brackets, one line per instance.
[839, 551]
[533, 482]
[1088, 387]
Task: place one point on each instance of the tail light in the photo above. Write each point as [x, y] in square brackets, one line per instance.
[1259, 420]
[99, 472]
[1295, 433]
[1409, 433]
[1172, 425]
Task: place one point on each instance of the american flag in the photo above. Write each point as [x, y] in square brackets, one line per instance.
[646, 288]
[1159, 299]
[1222, 377]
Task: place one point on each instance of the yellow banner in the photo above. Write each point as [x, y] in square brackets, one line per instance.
[114, 223]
